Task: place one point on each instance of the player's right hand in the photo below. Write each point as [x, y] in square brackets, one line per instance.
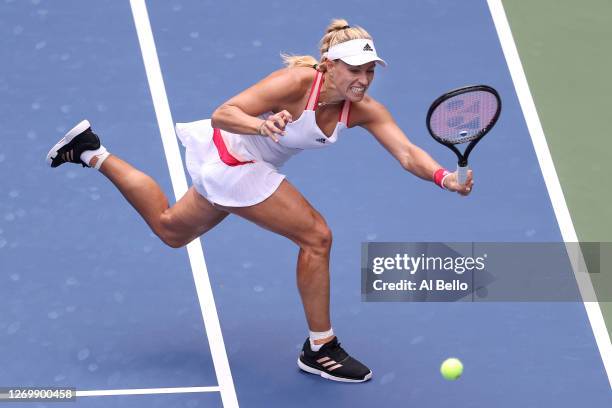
[274, 125]
[451, 183]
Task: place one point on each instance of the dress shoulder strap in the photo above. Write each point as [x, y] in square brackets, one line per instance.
[345, 113]
[313, 98]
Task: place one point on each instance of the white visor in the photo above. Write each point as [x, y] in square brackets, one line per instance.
[354, 52]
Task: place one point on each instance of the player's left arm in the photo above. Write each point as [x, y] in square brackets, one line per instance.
[376, 119]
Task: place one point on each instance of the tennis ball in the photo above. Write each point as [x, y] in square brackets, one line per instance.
[451, 369]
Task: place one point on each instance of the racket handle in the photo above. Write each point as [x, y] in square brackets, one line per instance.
[462, 174]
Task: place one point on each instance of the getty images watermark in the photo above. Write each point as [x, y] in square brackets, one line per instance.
[483, 271]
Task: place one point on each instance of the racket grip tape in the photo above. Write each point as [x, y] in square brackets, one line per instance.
[462, 174]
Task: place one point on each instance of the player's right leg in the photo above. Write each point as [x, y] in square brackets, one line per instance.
[176, 226]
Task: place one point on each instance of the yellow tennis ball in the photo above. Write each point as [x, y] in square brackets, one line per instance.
[451, 368]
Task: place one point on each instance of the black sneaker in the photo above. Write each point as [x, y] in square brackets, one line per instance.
[76, 141]
[333, 363]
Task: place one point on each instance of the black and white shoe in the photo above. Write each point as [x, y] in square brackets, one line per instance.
[333, 363]
[69, 148]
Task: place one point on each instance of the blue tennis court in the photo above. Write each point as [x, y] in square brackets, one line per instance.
[91, 299]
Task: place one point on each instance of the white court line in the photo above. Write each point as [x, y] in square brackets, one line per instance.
[146, 391]
[552, 183]
[179, 184]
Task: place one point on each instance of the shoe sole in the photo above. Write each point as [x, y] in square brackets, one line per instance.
[328, 376]
[72, 133]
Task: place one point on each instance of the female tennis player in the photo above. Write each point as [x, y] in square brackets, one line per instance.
[233, 159]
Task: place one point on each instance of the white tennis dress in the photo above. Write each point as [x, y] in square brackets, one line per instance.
[238, 170]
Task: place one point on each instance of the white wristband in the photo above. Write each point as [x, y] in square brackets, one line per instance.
[442, 181]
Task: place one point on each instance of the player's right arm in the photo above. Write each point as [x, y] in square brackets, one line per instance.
[240, 113]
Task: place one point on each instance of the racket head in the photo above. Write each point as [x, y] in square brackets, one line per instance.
[463, 115]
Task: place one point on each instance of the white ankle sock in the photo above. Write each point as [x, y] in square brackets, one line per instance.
[318, 336]
[101, 153]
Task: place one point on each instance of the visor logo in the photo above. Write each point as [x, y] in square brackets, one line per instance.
[367, 48]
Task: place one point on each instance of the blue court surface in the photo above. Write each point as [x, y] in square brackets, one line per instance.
[90, 298]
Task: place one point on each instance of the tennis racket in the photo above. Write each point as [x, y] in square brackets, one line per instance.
[463, 115]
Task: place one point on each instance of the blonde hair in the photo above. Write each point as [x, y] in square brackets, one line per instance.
[338, 31]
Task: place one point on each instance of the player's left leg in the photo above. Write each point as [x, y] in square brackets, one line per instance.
[288, 213]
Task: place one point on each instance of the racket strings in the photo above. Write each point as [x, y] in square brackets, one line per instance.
[462, 118]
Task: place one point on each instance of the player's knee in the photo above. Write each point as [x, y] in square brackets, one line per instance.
[166, 234]
[170, 240]
[172, 243]
[325, 237]
[319, 238]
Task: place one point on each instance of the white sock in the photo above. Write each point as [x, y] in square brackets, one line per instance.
[101, 153]
[318, 336]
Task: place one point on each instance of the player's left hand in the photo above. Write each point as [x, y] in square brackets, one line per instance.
[451, 184]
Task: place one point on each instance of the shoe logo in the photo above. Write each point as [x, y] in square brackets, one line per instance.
[367, 48]
[321, 140]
